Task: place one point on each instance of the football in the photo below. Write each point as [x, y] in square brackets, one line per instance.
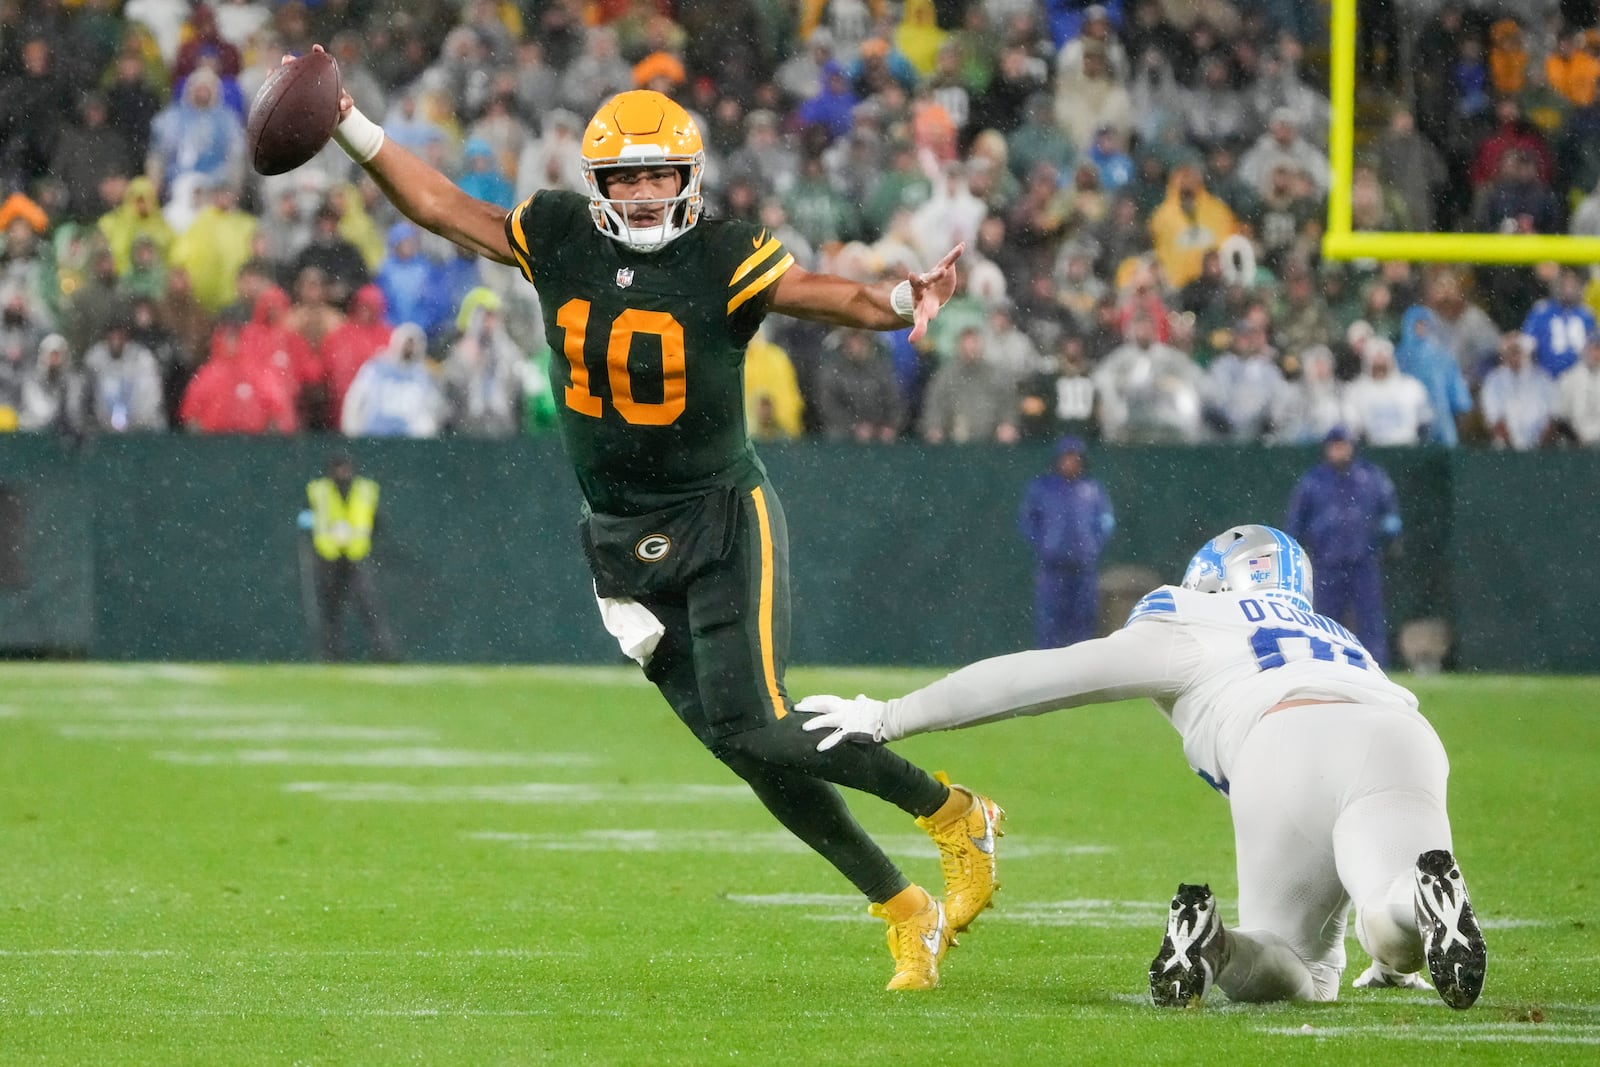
[294, 113]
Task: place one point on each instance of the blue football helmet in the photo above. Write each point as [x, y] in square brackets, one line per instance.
[1251, 558]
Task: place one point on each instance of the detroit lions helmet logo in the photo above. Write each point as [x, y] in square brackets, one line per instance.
[1205, 573]
[1250, 558]
[652, 548]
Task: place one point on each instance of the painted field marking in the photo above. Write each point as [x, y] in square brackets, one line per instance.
[1507, 1033]
[375, 757]
[1099, 914]
[295, 953]
[189, 712]
[253, 731]
[745, 841]
[521, 793]
[258, 1012]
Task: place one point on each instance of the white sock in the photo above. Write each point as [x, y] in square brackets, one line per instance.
[1386, 926]
[1262, 968]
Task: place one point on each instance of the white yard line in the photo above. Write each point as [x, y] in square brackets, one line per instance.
[1478, 1033]
[748, 841]
[374, 757]
[521, 793]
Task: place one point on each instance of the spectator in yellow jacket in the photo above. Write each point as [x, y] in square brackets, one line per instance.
[1186, 225]
[1572, 70]
[772, 402]
[215, 246]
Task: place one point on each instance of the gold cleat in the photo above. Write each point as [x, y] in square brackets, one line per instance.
[966, 840]
[917, 940]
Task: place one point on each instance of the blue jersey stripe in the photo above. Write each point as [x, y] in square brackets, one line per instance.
[1159, 602]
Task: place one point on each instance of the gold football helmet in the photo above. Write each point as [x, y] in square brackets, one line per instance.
[642, 128]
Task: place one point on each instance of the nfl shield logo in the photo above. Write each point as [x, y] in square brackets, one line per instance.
[624, 277]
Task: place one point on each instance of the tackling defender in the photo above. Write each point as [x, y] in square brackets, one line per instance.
[1335, 780]
[650, 308]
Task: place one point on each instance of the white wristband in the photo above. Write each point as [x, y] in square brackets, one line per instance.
[900, 300]
[359, 136]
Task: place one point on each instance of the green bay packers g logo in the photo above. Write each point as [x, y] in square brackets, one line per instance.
[652, 548]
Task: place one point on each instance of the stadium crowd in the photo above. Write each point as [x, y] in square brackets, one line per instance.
[1140, 186]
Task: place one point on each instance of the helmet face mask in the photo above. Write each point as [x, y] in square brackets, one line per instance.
[644, 129]
[1251, 559]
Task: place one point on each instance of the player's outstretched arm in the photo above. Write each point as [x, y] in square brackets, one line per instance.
[422, 194]
[1140, 661]
[881, 306]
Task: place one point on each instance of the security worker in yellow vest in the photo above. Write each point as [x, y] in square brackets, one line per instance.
[344, 510]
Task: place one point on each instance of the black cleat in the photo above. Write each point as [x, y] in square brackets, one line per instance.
[1191, 954]
[1451, 937]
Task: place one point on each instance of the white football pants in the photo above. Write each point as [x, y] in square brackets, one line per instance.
[1332, 803]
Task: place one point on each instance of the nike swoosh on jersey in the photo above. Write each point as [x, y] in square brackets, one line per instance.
[758, 241]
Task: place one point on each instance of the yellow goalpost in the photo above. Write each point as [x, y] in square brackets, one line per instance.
[1340, 242]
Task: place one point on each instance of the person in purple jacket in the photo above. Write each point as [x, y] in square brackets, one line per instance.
[1344, 511]
[1066, 516]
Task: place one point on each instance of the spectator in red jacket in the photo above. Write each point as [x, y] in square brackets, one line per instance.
[347, 348]
[1513, 133]
[267, 342]
[232, 394]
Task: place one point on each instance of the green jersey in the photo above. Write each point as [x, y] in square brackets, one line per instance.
[647, 362]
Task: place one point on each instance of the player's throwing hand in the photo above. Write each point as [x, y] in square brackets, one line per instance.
[930, 290]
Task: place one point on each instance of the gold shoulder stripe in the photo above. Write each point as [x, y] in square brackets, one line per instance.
[755, 259]
[771, 275]
[520, 250]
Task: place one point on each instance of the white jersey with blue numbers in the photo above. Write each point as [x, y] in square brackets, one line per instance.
[1213, 662]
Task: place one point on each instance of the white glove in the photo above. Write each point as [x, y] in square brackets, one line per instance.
[861, 717]
[1378, 976]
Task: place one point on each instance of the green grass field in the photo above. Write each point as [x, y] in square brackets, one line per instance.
[221, 865]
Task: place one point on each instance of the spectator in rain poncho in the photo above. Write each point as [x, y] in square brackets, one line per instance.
[411, 282]
[394, 394]
[597, 73]
[52, 393]
[1423, 354]
[348, 348]
[123, 383]
[1578, 396]
[1150, 392]
[1383, 406]
[139, 213]
[800, 76]
[230, 393]
[196, 137]
[481, 374]
[1311, 404]
[1244, 383]
[1519, 398]
[481, 176]
[834, 105]
[356, 224]
[214, 247]
[553, 160]
[27, 260]
[409, 126]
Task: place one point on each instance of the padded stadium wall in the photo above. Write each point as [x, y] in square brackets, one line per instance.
[173, 548]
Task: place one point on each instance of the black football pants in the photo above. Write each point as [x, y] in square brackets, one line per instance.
[720, 665]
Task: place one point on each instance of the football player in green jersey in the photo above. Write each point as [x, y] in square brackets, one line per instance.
[650, 306]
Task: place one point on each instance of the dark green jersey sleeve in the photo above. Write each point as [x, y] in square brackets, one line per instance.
[648, 348]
